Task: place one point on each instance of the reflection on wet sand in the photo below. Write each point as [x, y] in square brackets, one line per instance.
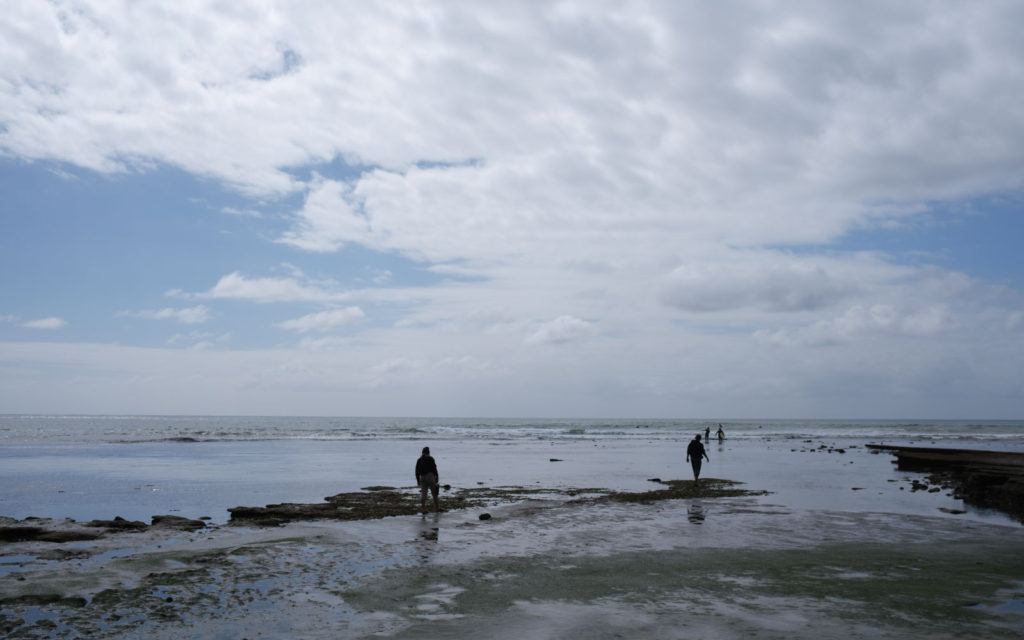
[695, 512]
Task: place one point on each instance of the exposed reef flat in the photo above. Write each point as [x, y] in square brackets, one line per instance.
[987, 479]
[382, 502]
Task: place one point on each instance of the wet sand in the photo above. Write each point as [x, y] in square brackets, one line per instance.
[842, 547]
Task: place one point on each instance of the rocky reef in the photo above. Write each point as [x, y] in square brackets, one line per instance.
[986, 479]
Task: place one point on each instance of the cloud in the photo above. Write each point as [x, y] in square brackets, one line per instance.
[858, 323]
[235, 286]
[784, 111]
[675, 177]
[247, 213]
[45, 323]
[779, 288]
[192, 315]
[562, 329]
[329, 219]
[8, 318]
[324, 320]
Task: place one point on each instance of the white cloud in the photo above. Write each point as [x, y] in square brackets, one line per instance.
[328, 219]
[8, 318]
[324, 320]
[191, 315]
[858, 323]
[561, 330]
[246, 213]
[235, 286]
[673, 177]
[45, 323]
[781, 287]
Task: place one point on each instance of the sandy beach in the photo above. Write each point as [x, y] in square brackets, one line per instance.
[842, 546]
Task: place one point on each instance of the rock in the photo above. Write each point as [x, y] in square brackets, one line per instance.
[343, 506]
[119, 524]
[19, 534]
[70, 535]
[555, 460]
[987, 479]
[177, 522]
[485, 516]
[30, 533]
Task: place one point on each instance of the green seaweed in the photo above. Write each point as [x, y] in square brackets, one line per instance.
[41, 599]
[686, 489]
[380, 502]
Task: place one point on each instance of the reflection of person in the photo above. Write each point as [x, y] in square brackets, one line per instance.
[426, 478]
[721, 434]
[694, 454]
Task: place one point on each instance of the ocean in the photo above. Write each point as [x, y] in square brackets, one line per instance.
[89, 467]
[841, 544]
[69, 429]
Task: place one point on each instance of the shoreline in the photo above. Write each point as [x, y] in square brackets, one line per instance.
[987, 479]
[725, 568]
[839, 545]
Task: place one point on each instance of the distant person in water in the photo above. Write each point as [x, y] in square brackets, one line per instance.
[707, 434]
[721, 434]
[695, 454]
[426, 478]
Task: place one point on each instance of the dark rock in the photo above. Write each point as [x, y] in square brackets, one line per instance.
[987, 479]
[177, 522]
[70, 535]
[485, 516]
[344, 506]
[30, 533]
[555, 460]
[119, 524]
[19, 534]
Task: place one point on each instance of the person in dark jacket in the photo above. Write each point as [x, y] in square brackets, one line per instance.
[694, 454]
[427, 478]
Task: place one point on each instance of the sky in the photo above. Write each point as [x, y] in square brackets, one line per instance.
[562, 209]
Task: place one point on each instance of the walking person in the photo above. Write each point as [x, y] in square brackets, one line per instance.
[427, 479]
[695, 454]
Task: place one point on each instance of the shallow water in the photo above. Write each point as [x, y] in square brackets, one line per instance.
[139, 480]
[841, 547]
[548, 569]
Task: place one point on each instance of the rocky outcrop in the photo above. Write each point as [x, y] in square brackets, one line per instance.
[343, 506]
[177, 522]
[23, 533]
[61, 531]
[987, 479]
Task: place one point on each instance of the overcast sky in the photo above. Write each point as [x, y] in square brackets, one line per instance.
[591, 209]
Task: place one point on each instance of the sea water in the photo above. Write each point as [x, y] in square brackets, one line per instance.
[86, 467]
[841, 546]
